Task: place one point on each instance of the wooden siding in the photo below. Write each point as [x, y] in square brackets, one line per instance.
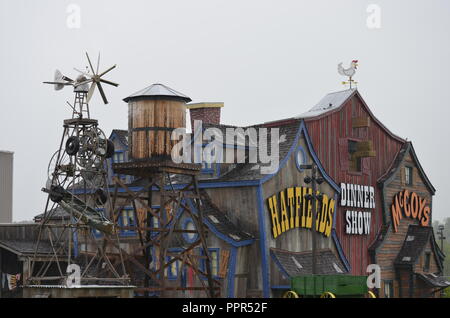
[325, 133]
[393, 241]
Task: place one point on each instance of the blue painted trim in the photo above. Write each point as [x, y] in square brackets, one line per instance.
[184, 225]
[114, 136]
[340, 251]
[263, 242]
[203, 263]
[126, 233]
[232, 272]
[177, 263]
[75, 239]
[301, 150]
[279, 265]
[220, 235]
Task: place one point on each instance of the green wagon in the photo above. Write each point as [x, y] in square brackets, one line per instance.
[329, 286]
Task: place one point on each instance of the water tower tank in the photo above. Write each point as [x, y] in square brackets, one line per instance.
[153, 113]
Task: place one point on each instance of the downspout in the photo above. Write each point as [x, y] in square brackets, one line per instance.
[262, 243]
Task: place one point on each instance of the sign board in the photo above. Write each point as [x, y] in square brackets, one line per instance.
[359, 197]
[289, 210]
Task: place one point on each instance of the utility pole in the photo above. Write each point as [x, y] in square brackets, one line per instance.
[441, 236]
[315, 180]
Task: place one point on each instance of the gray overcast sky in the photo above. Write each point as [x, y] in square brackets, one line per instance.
[265, 59]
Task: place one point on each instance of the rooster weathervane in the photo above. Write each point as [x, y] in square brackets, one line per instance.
[348, 72]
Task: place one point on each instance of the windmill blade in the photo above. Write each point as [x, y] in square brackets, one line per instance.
[90, 64]
[91, 91]
[108, 82]
[82, 83]
[100, 88]
[83, 73]
[109, 69]
[65, 78]
[58, 83]
[98, 62]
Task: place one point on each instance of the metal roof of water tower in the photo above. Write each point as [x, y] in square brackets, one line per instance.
[158, 91]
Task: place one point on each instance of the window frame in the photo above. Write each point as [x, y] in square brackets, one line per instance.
[409, 172]
[390, 285]
[184, 225]
[203, 262]
[124, 153]
[123, 232]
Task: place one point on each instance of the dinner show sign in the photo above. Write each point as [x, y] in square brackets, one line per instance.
[357, 198]
[410, 205]
[289, 209]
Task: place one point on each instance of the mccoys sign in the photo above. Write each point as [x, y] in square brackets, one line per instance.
[289, 209]
[410, 205]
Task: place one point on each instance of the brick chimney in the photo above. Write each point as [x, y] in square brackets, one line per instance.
[208, 113]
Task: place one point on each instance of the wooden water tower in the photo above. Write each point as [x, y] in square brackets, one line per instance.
[153, 113]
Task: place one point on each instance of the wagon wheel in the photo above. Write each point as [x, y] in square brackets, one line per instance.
[93, 147]
[60, 168]
[370, 294]
[327, 295]
[291, 294]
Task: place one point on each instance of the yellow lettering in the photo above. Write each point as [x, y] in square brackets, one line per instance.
[284, 216]
[323, 214]
[309, 210]
[291, 204]
[331, 206]
[274, 213]
[298, 205]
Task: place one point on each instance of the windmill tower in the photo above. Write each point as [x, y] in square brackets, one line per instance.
[76, 224]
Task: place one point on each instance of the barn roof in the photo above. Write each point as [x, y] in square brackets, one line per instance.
[156, 91]
[332, 103]
[328, 103]
[397, 163]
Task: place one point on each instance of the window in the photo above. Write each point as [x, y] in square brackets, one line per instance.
[355, 162]
[127, 219]
[172, 269]
[119, 157]
[388, 289]
[214, 253]
[426, 267]
[207, 164]
[409, 176]
[301, 158]
[188, 224]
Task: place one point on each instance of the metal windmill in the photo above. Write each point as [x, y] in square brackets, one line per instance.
[75, 222]
[83, 93]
